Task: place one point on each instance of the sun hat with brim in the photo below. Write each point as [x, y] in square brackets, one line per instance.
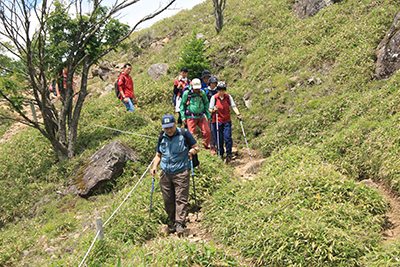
[205, 73]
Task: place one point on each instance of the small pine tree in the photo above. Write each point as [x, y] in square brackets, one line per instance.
[193, 57]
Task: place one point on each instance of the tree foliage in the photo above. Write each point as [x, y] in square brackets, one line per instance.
[193, 57]
[76, 41]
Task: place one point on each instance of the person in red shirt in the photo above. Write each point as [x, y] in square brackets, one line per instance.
[61, 89]
[125, 85]
[222, 102]
[179, 84]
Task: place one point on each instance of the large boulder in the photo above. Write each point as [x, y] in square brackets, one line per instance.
[157, 70]
[388, 52]
[307, 8]
[105, 65]
[103, 166]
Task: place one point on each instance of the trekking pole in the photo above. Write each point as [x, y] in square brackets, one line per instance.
[241, 124]
[151, 197]
[216, 116]
[194, 190]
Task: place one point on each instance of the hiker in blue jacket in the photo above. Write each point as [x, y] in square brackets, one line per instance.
[172, 154]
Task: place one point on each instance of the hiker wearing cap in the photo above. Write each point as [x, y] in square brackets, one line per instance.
[205, 76]
[212, 90]
[125, 86]
[194, 111]
[179, 84]
[221, 102]
[174, 148]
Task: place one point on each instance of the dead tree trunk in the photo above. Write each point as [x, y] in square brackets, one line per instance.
[219, 8]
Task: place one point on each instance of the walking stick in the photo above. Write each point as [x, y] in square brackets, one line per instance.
[194, 189]
[216, 116]
[247, 145]
[151, 197]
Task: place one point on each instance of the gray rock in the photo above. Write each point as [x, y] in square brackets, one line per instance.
[95, 71]
[105, 65]
[369, 183]
[388, 52]
[156, 47]
[247, 100]
[157, 70]
[28, 253]
[103, 166]
[109, 88]
[200, 35]
[307, 8]
[50, 250]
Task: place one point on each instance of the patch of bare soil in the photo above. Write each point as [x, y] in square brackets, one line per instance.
[195, 232]
[244, 165]
[392, 229]
[18, 127]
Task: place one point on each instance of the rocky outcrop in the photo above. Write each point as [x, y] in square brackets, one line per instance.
[103, 166]
[307, 8]
[105, 70]
[157, 70]
[388, 52]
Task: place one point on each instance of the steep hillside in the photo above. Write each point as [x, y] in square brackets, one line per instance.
[317, 116]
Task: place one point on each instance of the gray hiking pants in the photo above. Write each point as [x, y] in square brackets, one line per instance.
[175, 191]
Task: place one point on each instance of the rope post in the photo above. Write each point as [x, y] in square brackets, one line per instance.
[99, 227]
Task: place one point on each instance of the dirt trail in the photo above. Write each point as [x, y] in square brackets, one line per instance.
[392, 231]
[243, 166]
[17, 127]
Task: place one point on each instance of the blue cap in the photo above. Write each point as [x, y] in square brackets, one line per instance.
[213, 79]
[168, 121]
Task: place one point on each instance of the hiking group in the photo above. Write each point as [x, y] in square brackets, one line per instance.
[201, 102]
[204, 103]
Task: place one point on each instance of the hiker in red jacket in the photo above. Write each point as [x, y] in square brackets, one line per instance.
[179, 84]
[221, 102]
[125, 85]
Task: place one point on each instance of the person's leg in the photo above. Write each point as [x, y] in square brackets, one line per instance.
[168, 193]
[205, 131]
[181, 183]
[191, 125]
[219, 140]
[228, 137]
[129, 105]
[212, 138]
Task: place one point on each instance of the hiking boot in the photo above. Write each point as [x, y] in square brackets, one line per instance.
[228, 159]
[171, 229]
[179, 228]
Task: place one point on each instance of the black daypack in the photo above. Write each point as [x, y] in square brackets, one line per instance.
[195, 158]
[116, 88]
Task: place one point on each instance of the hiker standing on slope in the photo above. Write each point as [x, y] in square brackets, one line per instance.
[221, 103]
[194, 111]
[125, 86]
[205, 79]
[179, 84]
[173, 157]
[211, 92]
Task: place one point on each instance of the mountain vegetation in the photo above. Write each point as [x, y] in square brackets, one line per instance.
[314, 110]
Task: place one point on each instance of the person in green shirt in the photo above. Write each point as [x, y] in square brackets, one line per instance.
[194, 111]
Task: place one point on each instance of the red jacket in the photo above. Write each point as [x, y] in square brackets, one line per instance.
[224, 115]
[127, 86]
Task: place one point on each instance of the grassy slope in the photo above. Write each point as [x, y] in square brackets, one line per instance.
[307, 209]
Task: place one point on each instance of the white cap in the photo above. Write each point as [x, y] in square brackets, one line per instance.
[196, 83]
